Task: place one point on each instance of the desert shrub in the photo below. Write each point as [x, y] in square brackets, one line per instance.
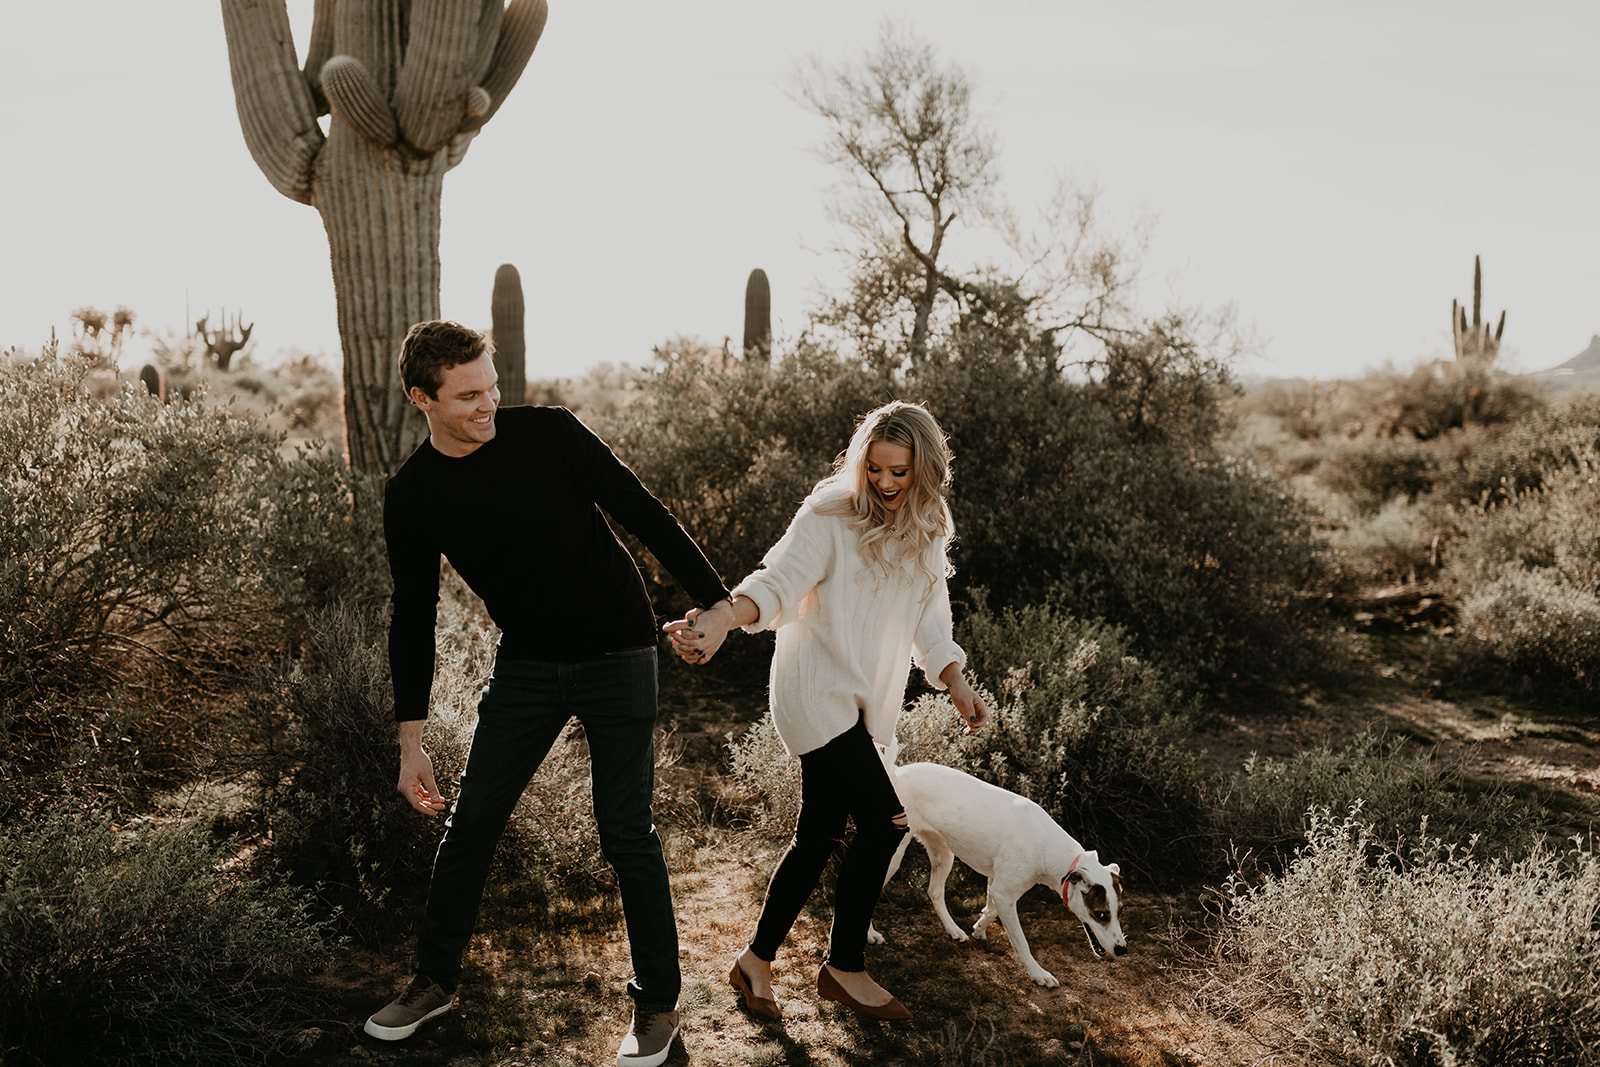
[317, 744]
[322, 762]
[1531, 630]
[1433, 398]
[732, 447]
[1260, 811]
[149, 552]
[1438, 955]
[1526, 573]
[137, 947]
[1372, 471]
[1398, 543]
[1198, 557]
[1518, 457]
[1100, 739]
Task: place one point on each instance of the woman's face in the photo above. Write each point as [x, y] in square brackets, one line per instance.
[889, 472]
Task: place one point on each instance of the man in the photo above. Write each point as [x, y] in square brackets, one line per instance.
[513, 499]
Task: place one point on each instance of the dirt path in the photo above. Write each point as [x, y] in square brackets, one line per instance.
[533, 995]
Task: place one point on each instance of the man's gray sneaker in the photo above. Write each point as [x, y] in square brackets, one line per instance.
[422, 1000]
[648, 1039]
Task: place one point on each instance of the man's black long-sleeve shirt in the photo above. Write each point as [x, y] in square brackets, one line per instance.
[520, 520]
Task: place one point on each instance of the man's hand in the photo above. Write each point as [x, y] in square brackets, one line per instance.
[697, 636]
[416, 772]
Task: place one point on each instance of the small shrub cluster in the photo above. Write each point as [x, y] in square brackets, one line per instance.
[1522, 453]
[141, 948]
[1526, 572]
[1434, 955]
[1259, 814]
[1374, 471]
[147, 553]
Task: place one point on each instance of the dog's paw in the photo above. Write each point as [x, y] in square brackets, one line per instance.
[978, 934]
[873, 937]
[957, 934]
[1044, 978]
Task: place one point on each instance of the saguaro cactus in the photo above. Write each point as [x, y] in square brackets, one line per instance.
[758, 317]
[507, 311]
[223, 342]
[409, 84]
[1476, 346]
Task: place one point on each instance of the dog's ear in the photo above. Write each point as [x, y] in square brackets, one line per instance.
[1076, 877]
[1114, 868]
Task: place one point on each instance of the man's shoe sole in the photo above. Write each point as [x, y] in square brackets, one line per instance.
[397, 1033]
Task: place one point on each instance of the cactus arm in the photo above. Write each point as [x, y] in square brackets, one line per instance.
[1501, 329]
[1477, 291]
[372, 31]
[320, 50]
[430, 92]
[355, 100]
[488, 36]
[520, 29]
[277, 113]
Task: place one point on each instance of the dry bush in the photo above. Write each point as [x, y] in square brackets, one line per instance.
[148, 553]
[138, 947]
[1441, 955]
[1526, 572]
[1259, 813]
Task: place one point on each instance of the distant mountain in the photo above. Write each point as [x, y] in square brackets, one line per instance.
[1582, 371]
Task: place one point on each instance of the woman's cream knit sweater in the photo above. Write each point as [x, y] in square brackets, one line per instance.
[846, 636]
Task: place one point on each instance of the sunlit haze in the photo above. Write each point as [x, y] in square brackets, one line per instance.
[1329, 170]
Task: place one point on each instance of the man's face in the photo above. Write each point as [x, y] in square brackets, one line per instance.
[462, 418]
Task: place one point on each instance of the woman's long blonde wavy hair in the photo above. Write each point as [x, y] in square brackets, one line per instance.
[888, 538]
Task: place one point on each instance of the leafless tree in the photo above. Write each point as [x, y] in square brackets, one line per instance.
[902, 122]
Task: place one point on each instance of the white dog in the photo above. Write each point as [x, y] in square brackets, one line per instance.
[1017, 845]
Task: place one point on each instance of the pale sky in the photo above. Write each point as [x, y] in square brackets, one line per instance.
[1330, 170]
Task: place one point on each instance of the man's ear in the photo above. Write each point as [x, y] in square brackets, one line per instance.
[419, 397]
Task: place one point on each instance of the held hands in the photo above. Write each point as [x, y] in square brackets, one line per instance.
[697, 636]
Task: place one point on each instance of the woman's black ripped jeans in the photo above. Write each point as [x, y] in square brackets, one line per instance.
[843, 779]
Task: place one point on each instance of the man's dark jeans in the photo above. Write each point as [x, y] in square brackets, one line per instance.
[522, 712]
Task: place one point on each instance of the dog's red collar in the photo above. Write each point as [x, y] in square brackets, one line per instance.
[1066, 879]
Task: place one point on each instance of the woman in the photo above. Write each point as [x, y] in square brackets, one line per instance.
[856, 590]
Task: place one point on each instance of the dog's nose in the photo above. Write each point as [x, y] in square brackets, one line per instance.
[1121, 950]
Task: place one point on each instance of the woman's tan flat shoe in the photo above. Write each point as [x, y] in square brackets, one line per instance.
[828, 986]
[758, 1005]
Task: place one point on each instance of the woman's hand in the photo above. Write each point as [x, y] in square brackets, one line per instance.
[968, 703]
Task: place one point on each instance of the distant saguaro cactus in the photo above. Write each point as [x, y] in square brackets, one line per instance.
[409, 83]
[758, 317]
[510, 347]
[223, 342]
[1475, 344]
